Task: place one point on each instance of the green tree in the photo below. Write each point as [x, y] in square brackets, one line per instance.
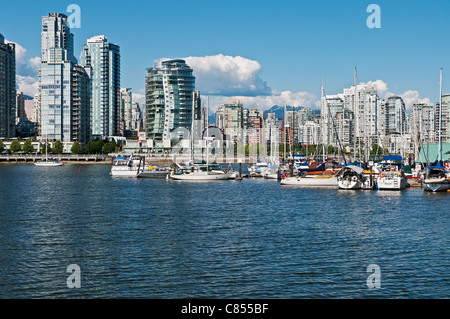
[28, 147]
[76, 148]
[2, 147]
[15, 146]
[109, 147]
[58, 148]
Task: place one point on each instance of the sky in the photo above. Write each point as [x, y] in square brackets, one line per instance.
[260, 52]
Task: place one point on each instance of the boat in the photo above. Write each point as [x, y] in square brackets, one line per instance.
[311, 181]
[195, 173]
[49, 162]
[391, 174]
[127, 166]
[435, 179]
[351, 177]
[154, 172]
[258, 169]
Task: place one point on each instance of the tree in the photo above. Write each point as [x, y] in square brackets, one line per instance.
[28, 147]
[2, 147]
[109, 147]
[15, 146]
[76, 148]
[58, 148]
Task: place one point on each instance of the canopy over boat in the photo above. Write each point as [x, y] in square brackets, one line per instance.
[356, 169]
[393, 158]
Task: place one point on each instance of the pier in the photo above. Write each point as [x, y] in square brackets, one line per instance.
[62, 158]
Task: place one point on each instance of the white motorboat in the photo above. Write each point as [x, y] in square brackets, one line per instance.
[351, 177]
[127, 166]
[392, 175]
[311, 181]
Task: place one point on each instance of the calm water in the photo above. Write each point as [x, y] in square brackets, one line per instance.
[250, 239]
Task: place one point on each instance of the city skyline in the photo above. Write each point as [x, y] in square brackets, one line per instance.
[262, 54]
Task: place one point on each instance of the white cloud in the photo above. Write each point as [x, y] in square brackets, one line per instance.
[228, 76]
[27, 84]
[24, 66]
[410, 97]
[296, 99]
[27, 71]
[139, 98]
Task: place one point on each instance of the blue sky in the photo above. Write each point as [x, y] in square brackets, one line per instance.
[287, 47]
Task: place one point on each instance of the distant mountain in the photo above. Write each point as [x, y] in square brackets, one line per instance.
[278, 110]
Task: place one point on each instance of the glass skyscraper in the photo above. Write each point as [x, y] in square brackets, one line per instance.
[64, 85]
[7, 89]
[169, 99]
[104, 60]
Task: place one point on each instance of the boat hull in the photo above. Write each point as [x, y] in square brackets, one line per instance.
[201, 177]
[396, 183]
[432, 186]
[160, 174]
[311, 181]
[43, 164]
[346, 184]
[124, 173]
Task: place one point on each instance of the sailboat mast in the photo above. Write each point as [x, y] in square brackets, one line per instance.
[207, 138]
[356, 115]
[191, 148]
[440, 119]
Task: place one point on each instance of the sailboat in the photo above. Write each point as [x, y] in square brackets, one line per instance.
[435, 178]
[48, 162]
[194, 172]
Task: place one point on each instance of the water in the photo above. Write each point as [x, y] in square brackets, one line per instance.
[143, 238]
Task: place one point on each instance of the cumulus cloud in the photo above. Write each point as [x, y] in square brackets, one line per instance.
[27, 84]
[410, 97]
[228, 76]
[139, 98]
[27, 71]
[296, 99]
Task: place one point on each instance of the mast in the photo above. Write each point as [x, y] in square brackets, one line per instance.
[284, 149]
[356, 114]
[207, 138]
[334, 128]
[440, 120]
[323, 131]
[191, 141]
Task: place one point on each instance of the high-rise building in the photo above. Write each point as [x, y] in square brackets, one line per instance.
[394, 116]
[422, 123]
[169, 99]
[64, 86]
[20, 107]
[125, 118]
[364, 102]
[233, 121]
[255, 126]
[443, 122]
[7, 89]
[104, 60]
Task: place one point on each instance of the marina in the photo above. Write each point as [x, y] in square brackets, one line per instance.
[156, 238]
